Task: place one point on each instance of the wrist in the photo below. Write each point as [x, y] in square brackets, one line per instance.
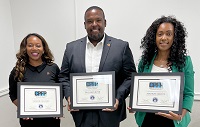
[180, 119]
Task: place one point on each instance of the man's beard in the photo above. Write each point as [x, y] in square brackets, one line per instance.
[95, 37]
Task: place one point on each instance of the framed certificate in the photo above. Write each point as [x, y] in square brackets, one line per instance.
[39, 99]
[157, 92]
[92, 90]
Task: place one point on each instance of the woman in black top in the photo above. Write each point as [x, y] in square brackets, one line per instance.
[34, 64]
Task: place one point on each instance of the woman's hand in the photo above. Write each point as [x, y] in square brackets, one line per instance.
[15, 102]
[171, 115]
[27, 118]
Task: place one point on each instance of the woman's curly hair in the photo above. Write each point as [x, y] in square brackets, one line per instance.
[23, 58]
[178, 50]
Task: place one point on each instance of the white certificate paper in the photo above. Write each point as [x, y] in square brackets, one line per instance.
[94, 90]
[40, 100]
[90, 91]
[160, 93]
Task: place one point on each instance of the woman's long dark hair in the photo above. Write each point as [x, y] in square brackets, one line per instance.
[178, 50]
[23, 58]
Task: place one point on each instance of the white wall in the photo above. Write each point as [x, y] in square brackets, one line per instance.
[7, 53]
[130, 19]
[61, 21]
[53, 19]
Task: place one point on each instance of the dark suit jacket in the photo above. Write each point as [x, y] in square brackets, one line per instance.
[116, 56]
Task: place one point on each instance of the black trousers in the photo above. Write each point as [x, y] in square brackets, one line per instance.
[92, 119]
[152, 120]
[40, 122]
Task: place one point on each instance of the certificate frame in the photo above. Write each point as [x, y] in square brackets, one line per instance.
[95, 90]
[39, 99]
[157, 92]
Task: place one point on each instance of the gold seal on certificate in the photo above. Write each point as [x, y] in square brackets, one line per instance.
[39, 99]
[157, 92]
[92, 90]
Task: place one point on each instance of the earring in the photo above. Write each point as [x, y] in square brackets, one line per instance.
[156, 49]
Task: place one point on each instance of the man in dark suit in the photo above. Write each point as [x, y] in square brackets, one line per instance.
[98, 52]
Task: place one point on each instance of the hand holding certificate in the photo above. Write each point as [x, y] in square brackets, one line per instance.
[92, 90]
[157, 92]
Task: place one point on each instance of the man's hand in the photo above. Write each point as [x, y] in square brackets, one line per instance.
[129, 108]
[68, 107]
[115, 107]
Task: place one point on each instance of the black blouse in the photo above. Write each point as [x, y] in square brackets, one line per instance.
[41, 73]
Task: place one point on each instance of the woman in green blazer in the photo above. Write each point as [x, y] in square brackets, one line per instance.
[164, 51]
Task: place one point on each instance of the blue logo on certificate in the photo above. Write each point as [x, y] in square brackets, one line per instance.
[91, 84]
[155, 85]
[40, 93]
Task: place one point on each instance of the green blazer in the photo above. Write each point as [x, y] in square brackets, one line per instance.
[188, 93]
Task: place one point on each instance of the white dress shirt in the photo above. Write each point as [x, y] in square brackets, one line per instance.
[93, 55]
